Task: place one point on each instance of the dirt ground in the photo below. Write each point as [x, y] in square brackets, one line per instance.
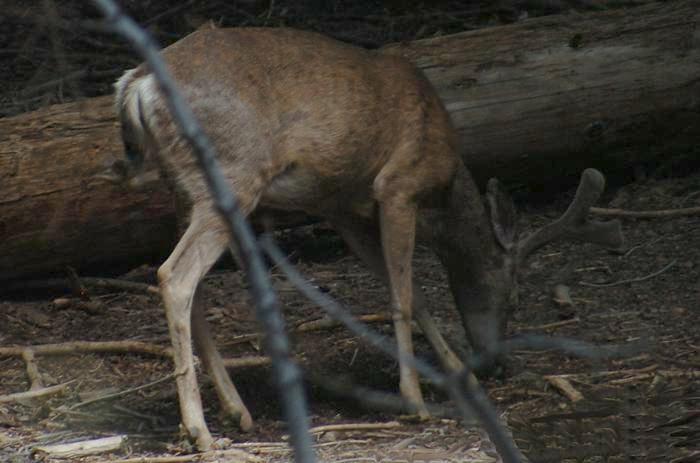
[642, 407]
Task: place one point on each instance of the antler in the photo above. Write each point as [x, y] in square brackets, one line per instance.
[573, 222]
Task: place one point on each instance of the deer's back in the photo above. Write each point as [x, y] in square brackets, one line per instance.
[317, 117]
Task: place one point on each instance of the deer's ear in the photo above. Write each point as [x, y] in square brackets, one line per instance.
[503, 216]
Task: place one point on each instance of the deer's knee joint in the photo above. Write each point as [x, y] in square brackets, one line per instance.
[387, 186]
[402, 314]
[181, 328]
[164, 273]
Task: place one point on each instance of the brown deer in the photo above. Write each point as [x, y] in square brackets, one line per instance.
[356, 137]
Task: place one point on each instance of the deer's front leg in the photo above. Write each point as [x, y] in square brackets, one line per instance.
[364, 241]
[398, 230]
[179, 276]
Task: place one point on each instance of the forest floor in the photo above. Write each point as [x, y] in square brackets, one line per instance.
[640, 407]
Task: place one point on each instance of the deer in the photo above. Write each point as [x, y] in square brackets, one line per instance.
[356, 137]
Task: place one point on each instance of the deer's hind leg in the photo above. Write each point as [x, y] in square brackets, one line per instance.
[231, 403]
[195, 253]
[229, 398]
[200, 246]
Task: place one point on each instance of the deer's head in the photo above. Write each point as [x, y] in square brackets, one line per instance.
[483, 255]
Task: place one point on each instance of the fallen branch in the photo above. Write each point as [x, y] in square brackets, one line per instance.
[92, 347]
[631, 280]
[82, 448]
[693, 374]
[662, 213]
[565, 387]
[35, 393]
[85, 347]
[214, 455]
[354, 427]
[328, 322]
[65, 284]
[246, 362]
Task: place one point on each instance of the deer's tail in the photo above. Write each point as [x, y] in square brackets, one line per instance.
[135, 93]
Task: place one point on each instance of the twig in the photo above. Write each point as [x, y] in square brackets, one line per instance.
[259, 445]
[634, 248]
[121, 285]
[549, 326]
[268, 312]
[164, 14]
[695, 374]
[327, 322]
[108, 284]
[35, 394]
[645, 214]
[124, 392]
[565, 387]
[600, 374]
[631, 280]
[354, 427]
[252, 338]
[154, 420]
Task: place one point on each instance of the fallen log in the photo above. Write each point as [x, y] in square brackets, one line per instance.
[53, 213]
[557, 93]
[534, 102]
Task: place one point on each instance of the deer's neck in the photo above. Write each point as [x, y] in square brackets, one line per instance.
[463, 237]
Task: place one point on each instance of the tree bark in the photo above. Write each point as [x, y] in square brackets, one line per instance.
[53, 213]
[539, 100]
[533, 102]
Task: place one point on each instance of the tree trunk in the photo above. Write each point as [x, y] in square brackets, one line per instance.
[533, 102]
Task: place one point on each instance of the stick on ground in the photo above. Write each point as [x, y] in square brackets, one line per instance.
[79, 347]
[354, 427]
[82, 448]
[662, 213]
[631, 280]
[21, 397]
[565, 387]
